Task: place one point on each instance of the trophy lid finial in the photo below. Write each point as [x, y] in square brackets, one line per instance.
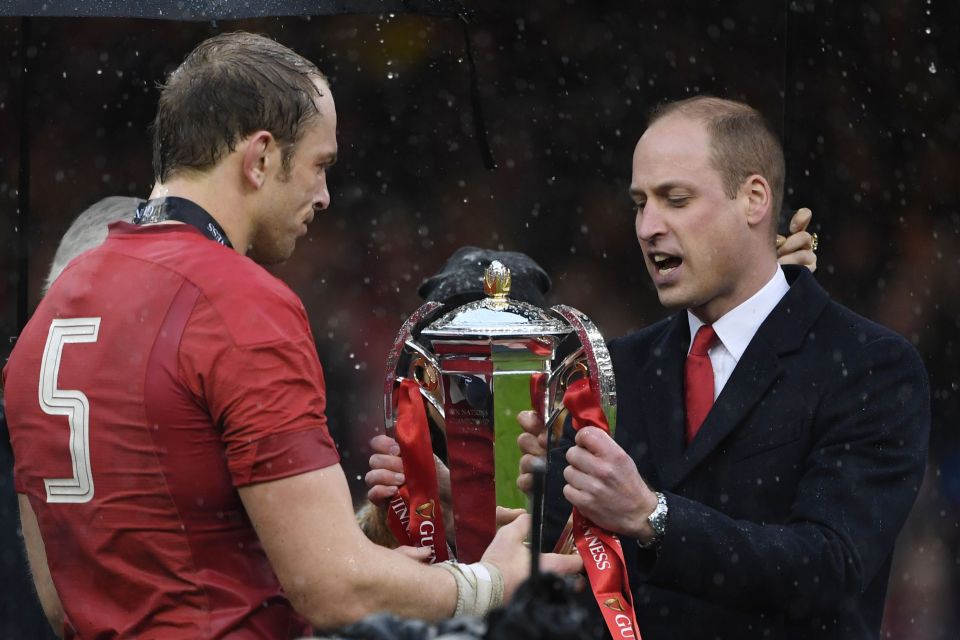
[496, 281]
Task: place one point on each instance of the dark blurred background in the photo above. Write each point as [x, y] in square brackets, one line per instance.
[864, 95]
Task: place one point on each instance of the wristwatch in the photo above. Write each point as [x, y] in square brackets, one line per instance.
[658, 522]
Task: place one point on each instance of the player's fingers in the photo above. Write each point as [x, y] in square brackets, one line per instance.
[385, 444]
[561, 564]
[385, 477]
[420, 554]
[517, 529]
[381, 494]
[386, 462]
[505, 516]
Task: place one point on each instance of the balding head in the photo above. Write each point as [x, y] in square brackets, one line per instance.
[742, 143]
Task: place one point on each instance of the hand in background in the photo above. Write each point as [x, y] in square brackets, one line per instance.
[798, 247]
[533, 446]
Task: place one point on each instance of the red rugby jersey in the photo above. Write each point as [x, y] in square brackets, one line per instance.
[161, 372]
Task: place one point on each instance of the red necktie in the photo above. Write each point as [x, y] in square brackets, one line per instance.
[698, 380]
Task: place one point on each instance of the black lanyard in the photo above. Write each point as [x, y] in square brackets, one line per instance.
[181, 210]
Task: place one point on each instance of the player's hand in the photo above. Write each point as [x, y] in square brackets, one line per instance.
[386, 475]
[420, 554]
[506, 515]
[509, 553]
[604, 484]
[533, 446]
[798, 247]
[386, 470]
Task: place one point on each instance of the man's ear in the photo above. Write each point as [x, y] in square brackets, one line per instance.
[758, 198]
[257, 158]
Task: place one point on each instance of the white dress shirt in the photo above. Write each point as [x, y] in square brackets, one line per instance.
[736, 328]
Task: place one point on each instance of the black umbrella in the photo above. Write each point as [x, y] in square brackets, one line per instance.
[220, 9]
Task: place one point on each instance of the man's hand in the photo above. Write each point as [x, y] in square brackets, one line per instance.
[533, 446]
[798, 248]
[509, 553]
[604, 484]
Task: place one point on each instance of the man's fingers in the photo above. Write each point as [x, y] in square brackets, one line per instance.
[505, 516]
[800, 220]
[530, 422]
[525, 483]
[595, 440]
[530, 445]
[574, 496]
[385, 444]
[529, 463]
[561, 564]
[582, 481]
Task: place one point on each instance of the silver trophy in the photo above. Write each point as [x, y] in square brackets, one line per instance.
[477, 367]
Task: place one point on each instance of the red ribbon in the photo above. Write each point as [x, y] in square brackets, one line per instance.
[538, 392]
[600, 549]
[415, 516]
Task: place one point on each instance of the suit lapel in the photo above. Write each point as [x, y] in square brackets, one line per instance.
[661, 397]
[782, 332]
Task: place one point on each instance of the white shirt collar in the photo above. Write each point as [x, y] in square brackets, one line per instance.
[736, 328]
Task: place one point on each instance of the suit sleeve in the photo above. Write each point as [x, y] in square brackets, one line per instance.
[859, 482]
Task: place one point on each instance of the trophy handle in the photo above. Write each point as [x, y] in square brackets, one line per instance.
[597, 358]
[403, 342]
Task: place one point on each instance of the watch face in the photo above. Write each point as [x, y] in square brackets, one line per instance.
[658, 519]
[657, 522]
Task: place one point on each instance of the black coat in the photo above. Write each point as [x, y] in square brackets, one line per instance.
[784, 510]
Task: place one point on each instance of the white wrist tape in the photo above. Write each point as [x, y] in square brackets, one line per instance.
[479, 587]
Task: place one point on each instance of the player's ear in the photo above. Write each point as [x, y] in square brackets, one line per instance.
[256, 157]
[757, 198]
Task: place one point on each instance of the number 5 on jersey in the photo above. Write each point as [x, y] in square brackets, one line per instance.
[70, 403]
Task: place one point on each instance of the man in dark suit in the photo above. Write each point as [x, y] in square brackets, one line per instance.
[761, 471]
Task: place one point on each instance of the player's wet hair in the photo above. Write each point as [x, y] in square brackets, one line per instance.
[229, 87]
